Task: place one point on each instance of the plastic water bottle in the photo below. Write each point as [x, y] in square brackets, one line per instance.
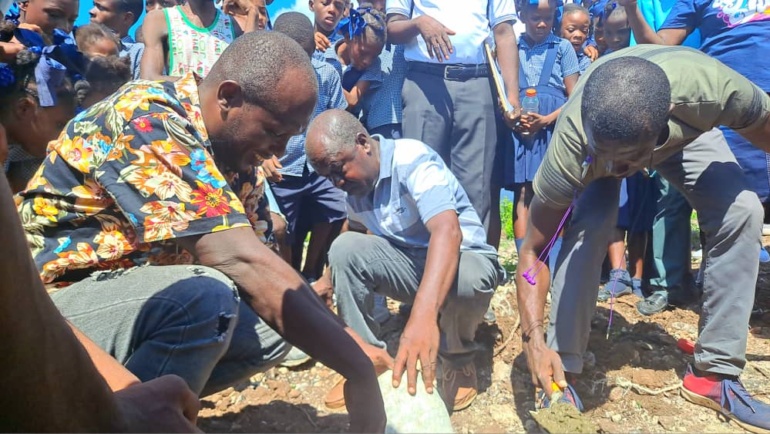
[530, 104]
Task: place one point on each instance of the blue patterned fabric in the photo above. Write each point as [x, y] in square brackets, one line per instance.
[330, 55]
[133, 50]
[383, 105]
[533, 57]
[330, 96]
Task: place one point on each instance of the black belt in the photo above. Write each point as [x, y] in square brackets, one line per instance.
[450, 72]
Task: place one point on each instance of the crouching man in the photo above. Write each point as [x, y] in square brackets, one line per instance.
[427, 247]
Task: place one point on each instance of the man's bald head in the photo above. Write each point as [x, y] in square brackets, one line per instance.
[259, 62]
[340, 149]
[333, 132]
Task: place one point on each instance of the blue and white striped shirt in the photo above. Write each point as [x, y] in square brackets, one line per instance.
[414, 186]
[330, 96]
[383, 106]
[533, 59]
[133, 50]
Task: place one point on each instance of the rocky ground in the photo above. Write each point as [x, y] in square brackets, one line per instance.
[630, 384]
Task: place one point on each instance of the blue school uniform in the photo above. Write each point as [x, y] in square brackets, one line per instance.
[544, 67]
[381, 109]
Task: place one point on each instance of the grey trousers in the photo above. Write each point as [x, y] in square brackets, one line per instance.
[362, 265]
[708, 175]
[178, 319]
[457, 120]
[670, 239]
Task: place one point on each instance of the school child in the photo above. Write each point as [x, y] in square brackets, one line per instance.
[548, 64]
[381, 108]
[96, 40]
[617, 31]
[327, 15]
[32, 113]
[365, 33]
[42, 17]
[105, 71]
[575, 27]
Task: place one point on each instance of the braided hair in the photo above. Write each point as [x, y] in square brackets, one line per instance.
[365, 22]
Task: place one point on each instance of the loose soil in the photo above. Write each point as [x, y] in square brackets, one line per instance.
[628, 384]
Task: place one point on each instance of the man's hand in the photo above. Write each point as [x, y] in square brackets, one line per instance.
[250, 17]
[544, 366]
[511, 118]
[271, 168]
[164, 404]
[592, 52]
[322, 43]
[419, 343]
[436, 37]
[324, 288]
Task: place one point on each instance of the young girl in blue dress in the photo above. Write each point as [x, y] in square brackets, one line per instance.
[548, 64]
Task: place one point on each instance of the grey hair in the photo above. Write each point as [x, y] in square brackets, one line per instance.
[337, 130]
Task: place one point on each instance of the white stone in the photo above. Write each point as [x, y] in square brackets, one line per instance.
[422, 413]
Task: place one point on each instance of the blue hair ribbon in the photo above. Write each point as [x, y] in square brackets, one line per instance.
[14, 14]
[57, 61]
[7, 77]
[355, 24]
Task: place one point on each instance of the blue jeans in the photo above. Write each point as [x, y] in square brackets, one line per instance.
[176, 319]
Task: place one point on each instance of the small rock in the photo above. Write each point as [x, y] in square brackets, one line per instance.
[655, 420]
[617, 393]
[283, 370]
[501, 372]
[294, 394]
[667, 422]
[616, 418]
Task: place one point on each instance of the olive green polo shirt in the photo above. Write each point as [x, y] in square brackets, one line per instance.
[705, 94]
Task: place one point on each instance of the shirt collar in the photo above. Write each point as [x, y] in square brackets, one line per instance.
[387, 147]
[128, 40]
[549, 39]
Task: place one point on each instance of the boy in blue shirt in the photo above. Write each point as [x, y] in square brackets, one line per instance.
[328, 14]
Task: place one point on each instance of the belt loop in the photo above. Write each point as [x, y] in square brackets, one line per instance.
[446, 71]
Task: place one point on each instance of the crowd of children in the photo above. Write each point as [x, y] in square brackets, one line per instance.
[51, 72]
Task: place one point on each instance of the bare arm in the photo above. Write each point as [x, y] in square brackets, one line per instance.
[154, 59]
[544, 364]
[116, 375]
[508, 59]
[420, 340]
[49, 383]
[644, 34]
[356, 93]
[284, 300]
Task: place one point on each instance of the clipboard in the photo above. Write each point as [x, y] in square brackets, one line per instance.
[497, 78]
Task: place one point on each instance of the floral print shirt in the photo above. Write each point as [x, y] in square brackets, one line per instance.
[126, 177]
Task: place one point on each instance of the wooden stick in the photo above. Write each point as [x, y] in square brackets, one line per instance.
[497, 79]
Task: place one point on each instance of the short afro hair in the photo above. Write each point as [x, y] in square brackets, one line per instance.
[298, 27]
[136, 7]
[258, 61]
[626, 98]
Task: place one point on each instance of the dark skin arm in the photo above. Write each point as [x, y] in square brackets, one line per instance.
[644, 34]
[508, 59]
[402, 30]
[284, 300]
[544, 364]
[759, 136]
[420, 340]
[155, 57]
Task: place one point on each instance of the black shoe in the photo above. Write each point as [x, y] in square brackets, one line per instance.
[656, 303]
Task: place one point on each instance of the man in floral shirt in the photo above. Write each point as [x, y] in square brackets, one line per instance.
[141, 216]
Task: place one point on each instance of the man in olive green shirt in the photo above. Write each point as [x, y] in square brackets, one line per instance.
[654, 107]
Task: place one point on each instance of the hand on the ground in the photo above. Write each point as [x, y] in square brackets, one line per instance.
[534, 122]
[592, 52]
[365, 407]
[271, 168]
[545, 367]
[436, 37]
[164, 404]
[322, 43]
[419, 343]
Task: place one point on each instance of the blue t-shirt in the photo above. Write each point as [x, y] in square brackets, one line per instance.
[735, 32]
[655, 13]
